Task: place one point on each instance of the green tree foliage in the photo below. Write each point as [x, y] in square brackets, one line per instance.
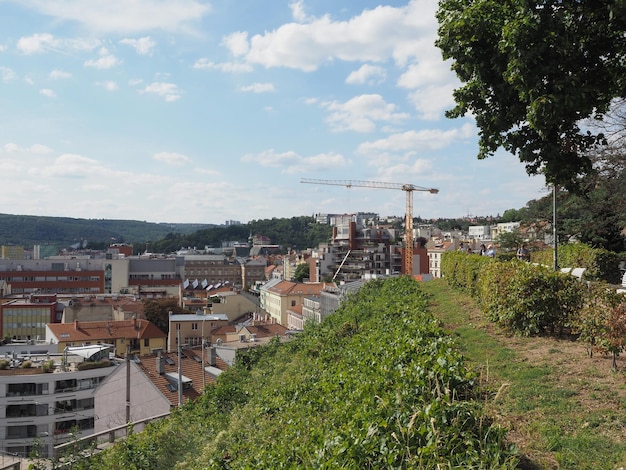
[531, 71]
[157, 312]
[296, 233]
[302, 272]
[593, 319]
[64, 231]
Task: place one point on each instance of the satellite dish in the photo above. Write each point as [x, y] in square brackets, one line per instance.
[219, 341]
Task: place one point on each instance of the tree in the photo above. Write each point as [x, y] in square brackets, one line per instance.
[157, 312]
[532, 71]
[302, 272]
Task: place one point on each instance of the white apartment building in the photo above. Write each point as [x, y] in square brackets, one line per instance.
[479, 232]
[42, 408]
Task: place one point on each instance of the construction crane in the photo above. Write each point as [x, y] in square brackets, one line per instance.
[407, 188]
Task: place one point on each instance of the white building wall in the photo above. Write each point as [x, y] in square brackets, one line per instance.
[46, 396]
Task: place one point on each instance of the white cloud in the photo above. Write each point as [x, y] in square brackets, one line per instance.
[259, 88]
[59, 75]
[373, 36]
[427, 139]
[108, 85]
[47, 42]
[361, 113]
[125, 17]
[48, 92]
[172, 158]
[169, 91]
[7, 74]
[367, 74]
[227, 67]
[34, 149]
[3, 48]
[237, 43]
[106, 60]
[297, 11]
[291, 162]
[143, 46]
[135, 82]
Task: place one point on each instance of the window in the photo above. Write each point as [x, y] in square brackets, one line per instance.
[146, 342]
[194, 326]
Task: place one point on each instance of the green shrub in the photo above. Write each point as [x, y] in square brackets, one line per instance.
[27, 365]
[4, 364]
[600, 264]
[93, 365]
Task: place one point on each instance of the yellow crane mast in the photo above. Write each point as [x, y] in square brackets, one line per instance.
[407, 188]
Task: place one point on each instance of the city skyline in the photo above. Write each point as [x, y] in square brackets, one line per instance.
[189, 111]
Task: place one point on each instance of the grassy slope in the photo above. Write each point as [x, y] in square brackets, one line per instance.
[563, 409]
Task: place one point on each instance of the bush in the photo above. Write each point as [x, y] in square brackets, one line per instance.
[4, 364]
[27, 365]
[600, 264]
[93, 365]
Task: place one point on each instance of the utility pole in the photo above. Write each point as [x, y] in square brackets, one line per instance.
[180, 372]
[554, 228]
[127, 381]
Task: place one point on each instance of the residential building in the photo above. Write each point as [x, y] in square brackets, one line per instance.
[311, 308]
[295, 320]
[356, 251]
[479, 232]
[436, 249]
[247, 335]
[193, 327]
[278, 296]
[54, 276]
[332, 296]
[26, 319]
[12, 252]
[137, 337]
[39, 407]
[101, 308]
[506, 227]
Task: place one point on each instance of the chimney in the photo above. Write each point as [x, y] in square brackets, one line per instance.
[212, 356]
[159, 363]
[76, 324]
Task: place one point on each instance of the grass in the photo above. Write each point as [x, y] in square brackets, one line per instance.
[561, 408]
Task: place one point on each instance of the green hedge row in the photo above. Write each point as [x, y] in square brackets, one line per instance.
[600, 264]
[532, 299]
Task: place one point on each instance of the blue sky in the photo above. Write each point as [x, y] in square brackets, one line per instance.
[205, 111]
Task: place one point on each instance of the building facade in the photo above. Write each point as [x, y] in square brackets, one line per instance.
[39, 408]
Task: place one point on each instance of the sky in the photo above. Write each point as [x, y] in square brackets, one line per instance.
[194, 111]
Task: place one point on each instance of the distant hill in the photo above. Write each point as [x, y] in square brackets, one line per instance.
[28, 230]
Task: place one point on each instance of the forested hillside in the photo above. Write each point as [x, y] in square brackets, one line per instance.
[28, 230]
[62, 232]
[377, 385]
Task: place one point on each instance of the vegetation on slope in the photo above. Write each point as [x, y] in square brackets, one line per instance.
[30, 230]
[379, 384]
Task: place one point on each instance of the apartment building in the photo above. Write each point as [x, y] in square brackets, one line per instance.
[26, 318]
[276, 297]
[39, 408]
[192, 328]
[54, 276]
[356, 251]
[436, 249]
[136, 337]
